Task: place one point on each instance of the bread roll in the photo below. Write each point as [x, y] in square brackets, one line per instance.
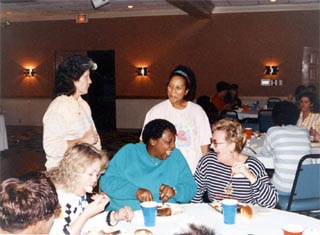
[245, 211]
[143, 232]
[164, 210]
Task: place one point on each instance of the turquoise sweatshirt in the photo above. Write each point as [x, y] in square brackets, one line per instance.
[132, 168]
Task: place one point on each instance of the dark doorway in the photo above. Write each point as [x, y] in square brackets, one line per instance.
[101, 95]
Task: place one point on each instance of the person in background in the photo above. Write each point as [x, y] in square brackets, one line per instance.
[232, 97]
[313, 89]
[286, 143]
[209, 108]
[152, 170]
[226, 173]
[28, 204]
[297, 93]
[219, 98]
[307, 118]
[68, 118]
[190, 120]
[75, 176]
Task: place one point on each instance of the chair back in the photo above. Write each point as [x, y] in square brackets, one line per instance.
[305, 192]
[265, 120]
[272, 101]
[229, 113]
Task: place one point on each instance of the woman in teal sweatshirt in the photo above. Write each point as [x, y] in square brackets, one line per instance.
[152, 170]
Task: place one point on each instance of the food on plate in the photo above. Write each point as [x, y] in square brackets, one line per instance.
[164, 210]
[143, 232]
[217, 206]
[245, 211]
[242, 209]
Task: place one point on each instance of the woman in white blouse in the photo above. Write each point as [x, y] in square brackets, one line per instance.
[307, 118]
[68, 118]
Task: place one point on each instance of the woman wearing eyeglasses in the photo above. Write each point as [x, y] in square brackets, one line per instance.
[226, 173]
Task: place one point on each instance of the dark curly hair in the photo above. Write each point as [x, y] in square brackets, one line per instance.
[155, 128]
[285, 113]
[70, 70]
[26, 200]
[190, 80]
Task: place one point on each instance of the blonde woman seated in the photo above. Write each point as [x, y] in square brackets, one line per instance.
[226, 173]
[76, 175]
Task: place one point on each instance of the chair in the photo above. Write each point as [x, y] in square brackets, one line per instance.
[250, 123]
[305, 192]
[229, 113]
[265, 120]
[272, 101]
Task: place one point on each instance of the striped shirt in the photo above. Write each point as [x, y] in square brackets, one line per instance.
[286, 144]
[312, 120]
[213, 176]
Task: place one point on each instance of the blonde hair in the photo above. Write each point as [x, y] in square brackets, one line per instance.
[234, 132]
[75, 162]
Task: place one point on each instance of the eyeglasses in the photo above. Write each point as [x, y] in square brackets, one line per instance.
[215, 144]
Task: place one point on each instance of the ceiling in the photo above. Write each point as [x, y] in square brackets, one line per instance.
[42, 10]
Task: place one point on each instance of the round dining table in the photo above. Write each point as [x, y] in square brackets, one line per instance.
[265, 221]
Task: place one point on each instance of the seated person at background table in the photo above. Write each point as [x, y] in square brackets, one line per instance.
[297, 93]
[226, 173]
[307, 118]
[211, 111]
[28, 205]
[152, 170]
[68, 118]
[286, 143]
[232, 97]
[219, 99]
[77, 174]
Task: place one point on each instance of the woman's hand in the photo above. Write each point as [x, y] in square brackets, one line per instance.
[241, 168]
[144, 195]
[166, 192]
[315, 134]
[97, 205]
[125, 213]
[90, 137]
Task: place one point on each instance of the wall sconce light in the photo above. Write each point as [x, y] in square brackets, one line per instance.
[29, 72]
[271, 70]
[142, 71]
[82, 18]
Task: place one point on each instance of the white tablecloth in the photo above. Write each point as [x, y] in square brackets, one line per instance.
[264, 222]
[3, 134]
[256, 145]
[248, 114]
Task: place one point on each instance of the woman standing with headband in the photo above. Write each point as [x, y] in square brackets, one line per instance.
[192, 124]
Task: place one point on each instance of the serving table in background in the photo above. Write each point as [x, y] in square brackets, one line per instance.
[251, 113]
[264, 222]
[3, 134]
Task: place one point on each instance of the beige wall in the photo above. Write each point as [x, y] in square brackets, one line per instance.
[230, 47]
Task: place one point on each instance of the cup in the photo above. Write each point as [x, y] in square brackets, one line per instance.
[292, 229]
[149, 211]
[245, 107]
[248, 132]
[254, 106]
[229, 209]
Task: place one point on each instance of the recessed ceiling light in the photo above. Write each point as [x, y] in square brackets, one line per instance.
[130, 6]
[273, 0]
